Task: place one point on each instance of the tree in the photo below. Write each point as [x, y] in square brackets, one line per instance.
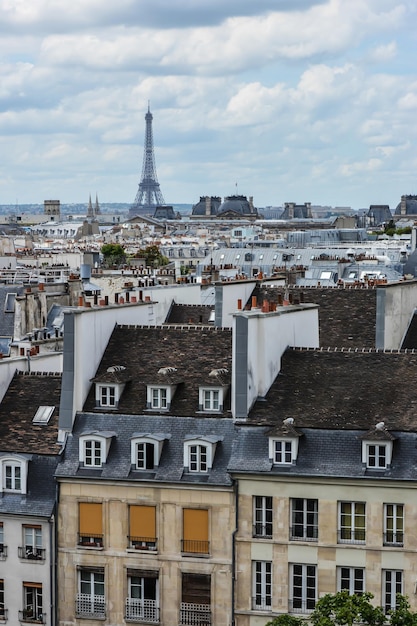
[152, 256]
[344, 609]
[113, 253]
[401, 615]
[286, 620]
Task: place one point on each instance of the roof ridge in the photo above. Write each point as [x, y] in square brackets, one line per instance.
[40, 373]
[354, 350]
[171, 326]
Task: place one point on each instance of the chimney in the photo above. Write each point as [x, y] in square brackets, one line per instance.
[208, 205]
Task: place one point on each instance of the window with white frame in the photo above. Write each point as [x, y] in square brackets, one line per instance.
[13, 473]
[376, 456]
[262, 516]
[199, 453]
[159, 398]
[2, 605]
[197, 458]
[394, 524]
[93, 453]
[91, 600]
[303, 588]
[262, 585]
[32, 542]
[107, 394]
[142, 603]
[392, 584]
[12, 476]
[351, 579]
[94, 447]
[352, 522]
[145, 455]
[283, 451]
[304, 519]
[211, 399]
[32, 603]
[146, 450]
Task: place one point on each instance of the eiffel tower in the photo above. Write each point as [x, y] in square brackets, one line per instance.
[149, 195]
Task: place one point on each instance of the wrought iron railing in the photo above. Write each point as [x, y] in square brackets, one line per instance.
[262, 530]
[3, 551]
[392, 538]
[262, 603]
[195, 546]
[192, 614]
[347, 535]
[89, 605]
[141, 610]
[32, 616]
[143, 543]
[304, 533]
[88, 541]
[297, 605]
[31, 553]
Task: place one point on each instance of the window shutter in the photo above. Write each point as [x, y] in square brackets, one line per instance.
[91, 520]
[142, 521]
[195, 524]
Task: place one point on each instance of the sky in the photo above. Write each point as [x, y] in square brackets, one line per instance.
[282, 100]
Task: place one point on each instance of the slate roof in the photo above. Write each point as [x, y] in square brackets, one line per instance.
[342, 390]
[171, 465]
[25, 394]
[189, 314]
[193, 351]
[41, 490]
[347, 316]
[323, 452]
[7, 317]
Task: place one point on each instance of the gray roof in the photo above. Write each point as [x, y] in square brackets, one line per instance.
[323, 452]
[171, 465]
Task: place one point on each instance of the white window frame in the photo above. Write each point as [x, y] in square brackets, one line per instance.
[263, 516]
[210, 451]
[159, 397]
[33, 602]
[146, 457]
[93, 452]
[282, 450]
[108, 395]
[262, 585]
[393, 524]
[392, 583]
[376, 455]
[305, 517]
[18, 484]
[32, 537]
[211, 399]
[301, 598]
[100, 444]
[357, 533]
[87, 597]
[351, 579]
[197, 458]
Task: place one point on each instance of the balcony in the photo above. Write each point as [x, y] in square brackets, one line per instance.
[195, 546]
[192, 614]
[301, 533]
[30, 553]
[262, 531]
[31, 616]
[89, 605]
[262, 603]
[86, 541]
[347, 535]
[299, 605]
[3, 552]
[141, 611]
[143, 543]
[392, 538]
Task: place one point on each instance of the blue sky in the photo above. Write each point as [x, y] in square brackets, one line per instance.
[282, 100]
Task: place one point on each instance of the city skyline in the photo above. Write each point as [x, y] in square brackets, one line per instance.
[295, 100]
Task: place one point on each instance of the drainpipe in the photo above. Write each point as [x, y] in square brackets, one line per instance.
[236, 490]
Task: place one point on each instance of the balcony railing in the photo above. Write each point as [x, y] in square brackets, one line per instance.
[31, 553]
[87, 541]
[192, 614]
[262, 603]
[89, 605]
[3, 551]
[298, 605]
[32, 616]
[3, 614]
[304, 533]
[262, 530]
[392, 538]
[195, 546]
[346, 535]
[142, 611]
[143, 543]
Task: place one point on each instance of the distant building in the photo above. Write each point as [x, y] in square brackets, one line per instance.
[296, 211]
[407, 207]
[52, 208]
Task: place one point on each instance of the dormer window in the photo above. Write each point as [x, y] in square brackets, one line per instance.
[146, 450]
[94, 448]
[159, 397]
[199, 453]
[377, 445]
[13, 473]
[110, 386]
[107, 395]
[283, 443]
[211, 397]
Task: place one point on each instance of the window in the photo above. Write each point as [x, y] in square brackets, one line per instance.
[145, 455]
[3, 551]
[43, 414]
[351, 579]
[107, 395]
[195, 531]
[92, 453]
[283, 452]
[262, 516]
[94, 447]
[9, 303]
[195, 605]
[262, 585]
[90, 598]
[352, 522]
[325, 275]
[32, 543]
[197, 458]
[32, 603]
[142, 527]
[12, 477]
[211, 399]
[304, 519]
[303, 588]
[159, 398]
[2, 607]
[142, 603]
[392, 583]
[376, 456]
[394, 524]
[90, 525]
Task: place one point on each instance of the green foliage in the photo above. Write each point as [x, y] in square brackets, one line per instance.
[401, 615]
[152, 256]
[113, 253]
[286, 620]
[341, 608]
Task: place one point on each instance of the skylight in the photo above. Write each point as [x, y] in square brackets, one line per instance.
[43, 415]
